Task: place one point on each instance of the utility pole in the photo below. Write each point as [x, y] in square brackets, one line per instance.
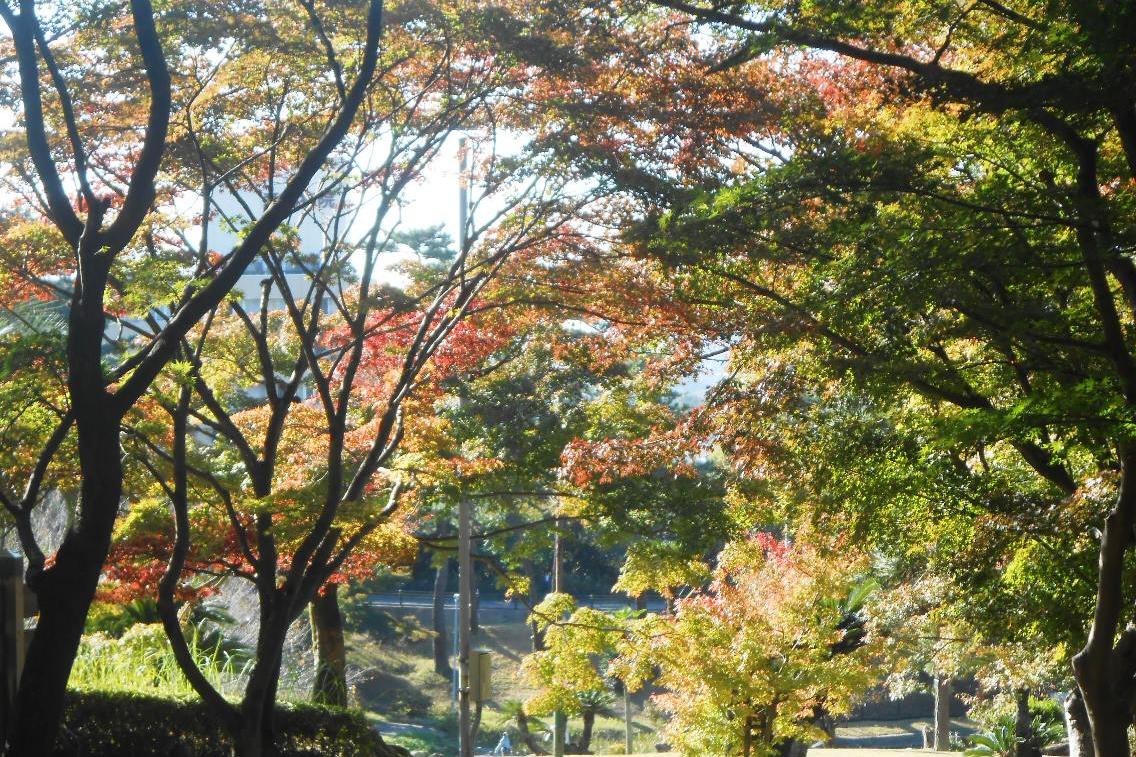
[465, 518]
[559, 719]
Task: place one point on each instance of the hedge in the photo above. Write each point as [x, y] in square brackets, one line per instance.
[123, 724]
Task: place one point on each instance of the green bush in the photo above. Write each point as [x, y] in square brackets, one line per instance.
[115, 619]
[1047, 726]
[122, 724]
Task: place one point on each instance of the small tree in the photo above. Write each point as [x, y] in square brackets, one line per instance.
[750, 662]
[570, 671]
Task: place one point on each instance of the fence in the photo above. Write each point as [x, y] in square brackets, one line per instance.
[16, 604]
[425, 599]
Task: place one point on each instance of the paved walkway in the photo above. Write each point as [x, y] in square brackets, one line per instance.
[844, 753]
[836, 752]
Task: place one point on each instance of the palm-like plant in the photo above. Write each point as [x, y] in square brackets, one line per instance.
[999, 741]
[592, 703]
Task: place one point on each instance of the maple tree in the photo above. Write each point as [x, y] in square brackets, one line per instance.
[1013, 71]
[570, 668]
[954, 551]
[296, 493]
[907, 224]
[924, 204]
[750, 661]
[111, 147]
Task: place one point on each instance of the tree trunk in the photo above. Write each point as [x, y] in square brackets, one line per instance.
[475, 723]
[536, 636]
[268, 732]
[256, 736]
[330, 685]
[1103, 669]
[1077, 726]
[527, 737]
[943, 692]
[62, 616]
[1027, 745]
[65, 590]
[792, 748]
[586, 731]
[1109, 721]
[559, 733]
[438, 619]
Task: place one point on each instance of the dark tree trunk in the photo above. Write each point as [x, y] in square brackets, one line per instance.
[256, 734]
[1103, 668]
[255, 738]
[586, 731]
[527, 737]
[330, 685]
[268, 732]
[62, 616]
[65, 590]
[1077, 726]
[1023, 727]
[438, 621]
[792, 748]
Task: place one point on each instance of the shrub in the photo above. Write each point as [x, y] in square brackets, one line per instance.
[124, 724]
[114, 619]
[1047, 726]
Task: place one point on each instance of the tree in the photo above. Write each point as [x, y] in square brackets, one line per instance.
[115, 164]
[302, 492]
[1027, 84]
[750, 661]
[933, 201]
[567, 671]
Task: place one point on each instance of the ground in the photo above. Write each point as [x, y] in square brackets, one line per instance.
[396, 685]
[843, 753]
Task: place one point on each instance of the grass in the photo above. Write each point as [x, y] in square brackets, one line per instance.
[142, 661]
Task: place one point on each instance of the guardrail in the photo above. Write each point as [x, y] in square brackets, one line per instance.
[418, 599]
